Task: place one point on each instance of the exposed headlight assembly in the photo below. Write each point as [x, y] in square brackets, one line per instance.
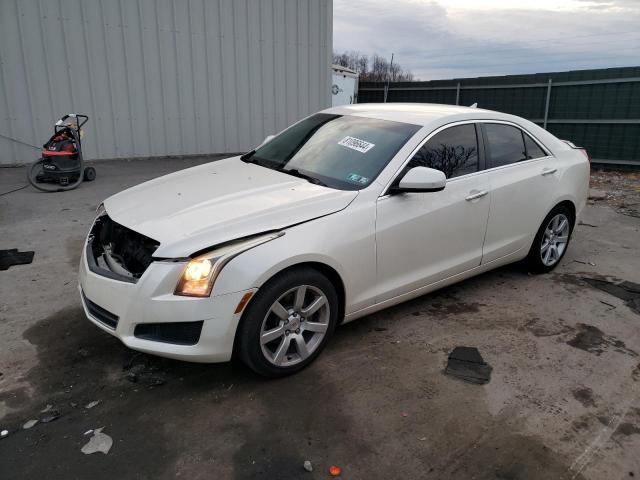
[200, 273]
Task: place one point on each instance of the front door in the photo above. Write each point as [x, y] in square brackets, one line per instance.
[422, 238]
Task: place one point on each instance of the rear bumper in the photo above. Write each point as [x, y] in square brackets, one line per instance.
[118, 307]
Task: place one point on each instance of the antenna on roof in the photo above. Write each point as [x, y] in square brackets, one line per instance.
[475, 105]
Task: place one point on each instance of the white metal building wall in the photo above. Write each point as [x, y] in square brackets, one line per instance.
[160, 77]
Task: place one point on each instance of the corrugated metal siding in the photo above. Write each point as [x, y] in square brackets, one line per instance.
[160, 77]
[602, 104]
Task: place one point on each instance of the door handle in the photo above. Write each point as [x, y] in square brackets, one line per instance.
[548, 171]
[476, 195]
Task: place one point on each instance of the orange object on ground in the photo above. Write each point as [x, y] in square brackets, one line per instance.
[334, 470]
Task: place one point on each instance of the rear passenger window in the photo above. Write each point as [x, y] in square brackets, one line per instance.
[506, 144]
[533, 149]
[453, 151]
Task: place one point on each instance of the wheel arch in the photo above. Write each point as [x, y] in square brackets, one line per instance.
[570, 205]
[567, 202]
[325, 269]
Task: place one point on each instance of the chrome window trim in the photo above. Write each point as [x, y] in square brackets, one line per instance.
[385, 190]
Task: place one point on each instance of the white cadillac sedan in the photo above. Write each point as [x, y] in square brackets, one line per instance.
[346, 212]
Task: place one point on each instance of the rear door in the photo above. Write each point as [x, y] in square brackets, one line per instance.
[522, 179]
[422, 238]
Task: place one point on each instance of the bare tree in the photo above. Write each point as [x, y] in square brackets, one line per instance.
[450, 159]
[374, 68]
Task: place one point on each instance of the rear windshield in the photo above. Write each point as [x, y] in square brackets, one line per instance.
[340, 151]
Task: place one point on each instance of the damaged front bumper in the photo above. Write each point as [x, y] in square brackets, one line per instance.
[146, 316]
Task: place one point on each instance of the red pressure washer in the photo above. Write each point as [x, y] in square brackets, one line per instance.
[61, 163]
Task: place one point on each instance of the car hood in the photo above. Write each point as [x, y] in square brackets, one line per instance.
[203, 206]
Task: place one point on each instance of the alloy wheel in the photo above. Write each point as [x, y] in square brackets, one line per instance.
[554, 239]
[294, 326]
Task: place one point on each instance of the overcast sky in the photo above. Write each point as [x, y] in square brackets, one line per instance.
[468, 38]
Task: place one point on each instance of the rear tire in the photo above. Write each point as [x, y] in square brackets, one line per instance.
[552, 240]
[288, 323]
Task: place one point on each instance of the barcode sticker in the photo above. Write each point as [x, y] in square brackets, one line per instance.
[356, 144]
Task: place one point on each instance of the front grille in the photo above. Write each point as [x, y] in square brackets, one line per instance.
[118, 252]
[103, 316]
[179, 333]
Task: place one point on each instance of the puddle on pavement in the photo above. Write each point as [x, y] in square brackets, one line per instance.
[593, 340]
[629, 292]
[584, 396]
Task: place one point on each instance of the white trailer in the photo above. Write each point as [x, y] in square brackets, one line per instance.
[344, 86]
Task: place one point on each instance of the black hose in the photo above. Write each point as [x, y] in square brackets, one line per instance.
[31, 176]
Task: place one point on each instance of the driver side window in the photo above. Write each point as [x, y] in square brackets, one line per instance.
[453, 151]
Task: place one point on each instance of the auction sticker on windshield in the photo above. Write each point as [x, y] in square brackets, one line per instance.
[356, 144]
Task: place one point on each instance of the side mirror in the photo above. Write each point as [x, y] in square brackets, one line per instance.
[421, 179]
[267, 139]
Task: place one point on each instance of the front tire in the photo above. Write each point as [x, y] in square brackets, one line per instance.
[288, 323]
[552, 240]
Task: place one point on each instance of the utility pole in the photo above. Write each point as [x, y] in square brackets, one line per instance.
[386, 88]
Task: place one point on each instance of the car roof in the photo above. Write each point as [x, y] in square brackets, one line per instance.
[434, 115]
[418, 113]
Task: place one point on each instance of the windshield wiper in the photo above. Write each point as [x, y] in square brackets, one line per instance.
[247, 156]
[297, 173]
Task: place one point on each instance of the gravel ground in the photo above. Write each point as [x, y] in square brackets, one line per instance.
[621, 190]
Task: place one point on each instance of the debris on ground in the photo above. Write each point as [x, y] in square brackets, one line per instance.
[99, 442]
[140, 370]
[47, 408]
[624, 290]
[467, 364]
[146, 380]
[50, 416]
[4, 433]
[585, 224]
[29, 424]
[12, 257]
[307, 466]
[585, 263]
[335, 471]
[613, 307]
[90, 405]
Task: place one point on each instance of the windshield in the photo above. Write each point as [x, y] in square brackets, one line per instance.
[340, 151]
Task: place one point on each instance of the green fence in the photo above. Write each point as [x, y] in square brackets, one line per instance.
[597, 109]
